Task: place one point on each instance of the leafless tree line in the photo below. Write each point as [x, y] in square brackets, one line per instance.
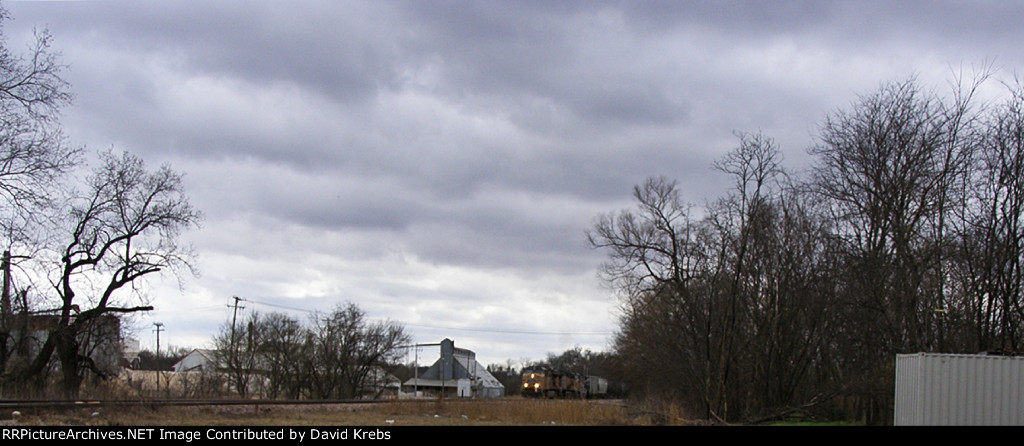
[337, 355]
[798, 290]
[75, 246]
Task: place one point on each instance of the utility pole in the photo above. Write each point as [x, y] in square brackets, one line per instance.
[233, 352]
[5, 300]
[5, 309]
[416, 366]
[234, 317]
[416, 371]
[158, 329]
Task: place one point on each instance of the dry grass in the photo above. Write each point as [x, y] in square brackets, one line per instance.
[516, 411]
[511, 411]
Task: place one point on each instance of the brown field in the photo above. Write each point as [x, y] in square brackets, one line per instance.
[510, 411]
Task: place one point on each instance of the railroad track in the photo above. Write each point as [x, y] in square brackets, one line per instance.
[85, 403]
[59, 404]
[66, 404]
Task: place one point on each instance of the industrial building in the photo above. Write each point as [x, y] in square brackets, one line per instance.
[456, 374]
[24, 335]
[198, 359]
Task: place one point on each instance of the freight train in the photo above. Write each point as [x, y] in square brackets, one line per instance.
[547, 383]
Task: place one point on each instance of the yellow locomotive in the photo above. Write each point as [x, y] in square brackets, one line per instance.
[547, 383]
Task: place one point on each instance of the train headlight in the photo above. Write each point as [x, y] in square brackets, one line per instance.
[536, 386]
[526, 385]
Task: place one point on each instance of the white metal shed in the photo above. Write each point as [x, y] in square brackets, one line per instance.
[959, 390]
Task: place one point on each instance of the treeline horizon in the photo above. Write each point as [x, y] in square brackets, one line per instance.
[794, 292]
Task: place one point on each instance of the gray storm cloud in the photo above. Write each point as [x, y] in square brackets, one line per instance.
[438, 163]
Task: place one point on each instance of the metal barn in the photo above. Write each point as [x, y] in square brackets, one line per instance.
[456, 374]
[959, 390]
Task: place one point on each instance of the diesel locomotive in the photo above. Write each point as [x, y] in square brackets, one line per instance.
[548, 383]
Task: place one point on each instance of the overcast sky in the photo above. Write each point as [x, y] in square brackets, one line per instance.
[438, 163]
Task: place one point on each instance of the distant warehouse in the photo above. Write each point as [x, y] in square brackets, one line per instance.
[455, 374]
[959, 390]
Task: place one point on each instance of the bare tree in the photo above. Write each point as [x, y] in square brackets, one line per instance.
[651, 246]
[721, 313]
[34, 155]
[239, 352]
[742, 219]
[887, 168]
[283, 353]
[123, 228]
[990, 274]
[893, 171]
[348, 352]
[660, 259]
[906, 236]
[337, 355]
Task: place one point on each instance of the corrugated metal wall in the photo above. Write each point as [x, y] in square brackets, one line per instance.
[959, 390]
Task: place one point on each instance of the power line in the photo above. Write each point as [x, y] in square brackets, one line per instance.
[495, 330]
[284, 307]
